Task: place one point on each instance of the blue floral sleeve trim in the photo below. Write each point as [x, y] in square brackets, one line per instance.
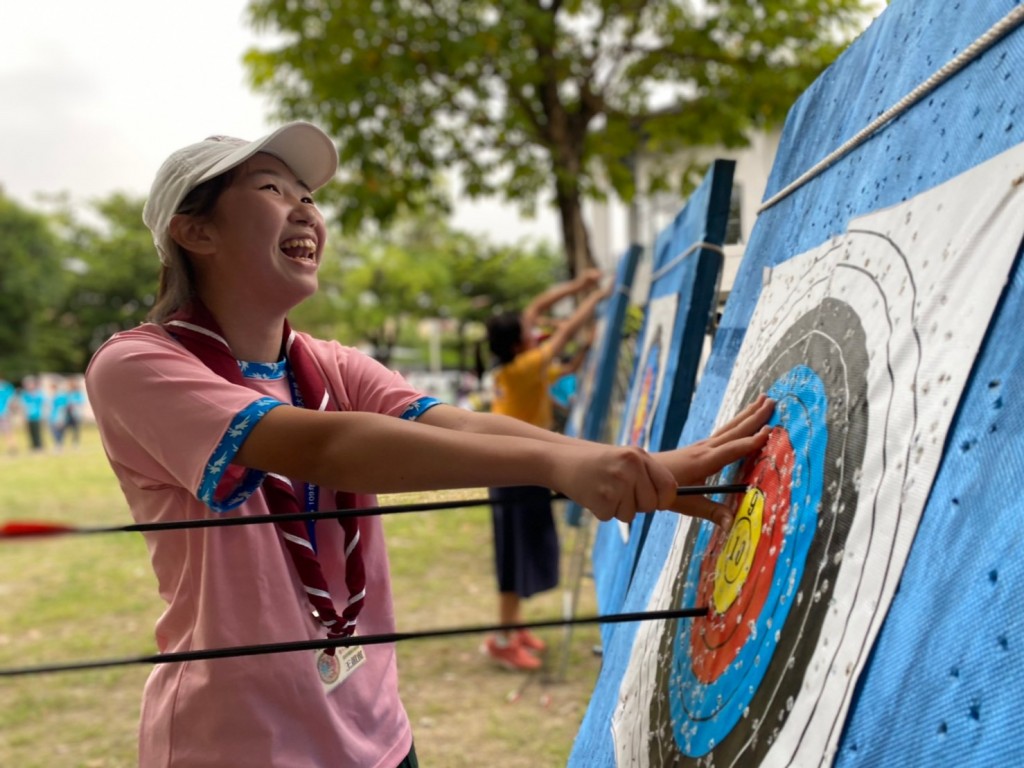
[224, 485]
[265, 371]
[414, 410]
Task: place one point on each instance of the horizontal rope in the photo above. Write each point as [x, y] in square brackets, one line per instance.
[19, 529]
[678, 258]
[341, 642]
[994, 34]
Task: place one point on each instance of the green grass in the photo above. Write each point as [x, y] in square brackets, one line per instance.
[78, 598]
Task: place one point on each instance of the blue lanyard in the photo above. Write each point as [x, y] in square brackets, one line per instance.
[311, 491]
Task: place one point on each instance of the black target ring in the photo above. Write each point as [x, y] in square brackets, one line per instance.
[831, 340]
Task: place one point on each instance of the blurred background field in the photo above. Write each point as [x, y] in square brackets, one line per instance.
[76, 598]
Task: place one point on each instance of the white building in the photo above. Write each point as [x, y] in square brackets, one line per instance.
[614, 224]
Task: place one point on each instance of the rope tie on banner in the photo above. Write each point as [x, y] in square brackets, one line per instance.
[696, 246]
[994, 34]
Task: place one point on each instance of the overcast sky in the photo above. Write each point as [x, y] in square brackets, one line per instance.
[94, 95]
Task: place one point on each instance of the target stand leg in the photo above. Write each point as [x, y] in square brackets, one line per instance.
[571, 593]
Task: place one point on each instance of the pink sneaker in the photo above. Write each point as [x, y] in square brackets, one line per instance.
[511, 656]
[530, 641]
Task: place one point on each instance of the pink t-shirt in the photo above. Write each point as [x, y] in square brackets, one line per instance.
[168, 424]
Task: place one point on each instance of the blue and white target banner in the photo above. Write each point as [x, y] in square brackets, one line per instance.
[593, 397]
[864, 608]
[684, 281]
[865, 343]
[589, 411]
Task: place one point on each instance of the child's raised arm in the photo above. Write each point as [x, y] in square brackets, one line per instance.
[583, 315]
[547, 299]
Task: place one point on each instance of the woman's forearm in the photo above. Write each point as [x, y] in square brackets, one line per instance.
[490, 424]
[371, 453]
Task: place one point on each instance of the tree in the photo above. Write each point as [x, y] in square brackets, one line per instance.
[113, 281]
[532, 97]
[372, 294]
[31, 278]
[376, 287]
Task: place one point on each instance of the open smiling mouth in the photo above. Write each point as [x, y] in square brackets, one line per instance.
[300, 249]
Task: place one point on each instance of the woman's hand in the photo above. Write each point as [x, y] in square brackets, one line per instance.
[617, 482]
[612, 481]
[692, 464]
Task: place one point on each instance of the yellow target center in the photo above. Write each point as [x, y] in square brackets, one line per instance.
[736, 556]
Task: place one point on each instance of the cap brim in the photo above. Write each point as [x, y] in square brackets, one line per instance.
[303, 147]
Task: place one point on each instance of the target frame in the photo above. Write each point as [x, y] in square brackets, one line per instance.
[885, 281]
[590, 411]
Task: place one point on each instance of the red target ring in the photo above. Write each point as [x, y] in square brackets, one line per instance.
[743, 576]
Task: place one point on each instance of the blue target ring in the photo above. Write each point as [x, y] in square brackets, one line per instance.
[703, 714]
[722, 685]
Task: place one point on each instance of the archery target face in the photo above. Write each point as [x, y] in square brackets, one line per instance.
[647, 383]
[649, 378]
[650, 371]
[587, 380]
[865, 343]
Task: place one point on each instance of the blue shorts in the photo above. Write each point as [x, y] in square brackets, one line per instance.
[526, 555]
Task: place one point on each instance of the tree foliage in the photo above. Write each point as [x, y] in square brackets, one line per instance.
[68, 281]
[31, 279]
[111, 286]
[376, 288]
[530, 99]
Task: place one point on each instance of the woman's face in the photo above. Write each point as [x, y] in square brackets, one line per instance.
[267, 235]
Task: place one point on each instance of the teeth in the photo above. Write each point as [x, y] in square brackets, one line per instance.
[306, 245]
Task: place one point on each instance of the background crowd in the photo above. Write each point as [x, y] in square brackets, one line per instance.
[44, 412]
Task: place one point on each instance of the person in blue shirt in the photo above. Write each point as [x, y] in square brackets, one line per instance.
[58, 412]
[33, 403]
[8, 402]
[74, 404]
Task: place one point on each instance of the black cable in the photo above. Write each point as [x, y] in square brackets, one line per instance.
[342, 642]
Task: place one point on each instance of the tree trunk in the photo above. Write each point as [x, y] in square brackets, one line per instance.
[575, 237]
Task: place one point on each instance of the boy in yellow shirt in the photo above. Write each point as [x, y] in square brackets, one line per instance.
[526, 546]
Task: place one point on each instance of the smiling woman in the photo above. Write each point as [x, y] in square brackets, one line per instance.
[265, 225]
[218, 406]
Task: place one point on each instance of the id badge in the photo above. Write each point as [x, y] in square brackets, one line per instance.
[335, 670]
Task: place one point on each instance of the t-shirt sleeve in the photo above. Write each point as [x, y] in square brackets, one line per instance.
[371, 386]
[531, 363]
[555, 371]
[167, 419]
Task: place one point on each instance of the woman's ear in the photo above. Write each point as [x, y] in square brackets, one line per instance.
[191, 233]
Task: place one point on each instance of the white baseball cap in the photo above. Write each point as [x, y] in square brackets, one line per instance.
[305, 149]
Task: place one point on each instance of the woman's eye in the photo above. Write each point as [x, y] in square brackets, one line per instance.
[271, 187]
[309, 200]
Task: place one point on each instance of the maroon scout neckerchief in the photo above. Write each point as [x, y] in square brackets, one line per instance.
[197, 330]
